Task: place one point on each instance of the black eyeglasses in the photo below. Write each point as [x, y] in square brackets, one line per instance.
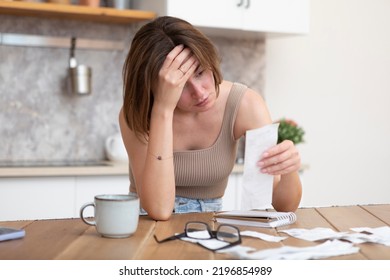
[229, 235]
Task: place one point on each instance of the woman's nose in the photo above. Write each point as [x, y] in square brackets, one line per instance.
[197, 91]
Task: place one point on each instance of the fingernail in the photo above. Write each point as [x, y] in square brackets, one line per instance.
[260, 163]
[266, 154]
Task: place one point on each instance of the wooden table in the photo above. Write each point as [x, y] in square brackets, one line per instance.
[72, 239]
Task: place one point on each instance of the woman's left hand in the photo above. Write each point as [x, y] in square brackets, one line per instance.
[281, 159]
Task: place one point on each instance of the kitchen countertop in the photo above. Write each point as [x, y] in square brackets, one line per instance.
[103, 169]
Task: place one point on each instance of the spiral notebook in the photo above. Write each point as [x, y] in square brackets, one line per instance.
[256, 218]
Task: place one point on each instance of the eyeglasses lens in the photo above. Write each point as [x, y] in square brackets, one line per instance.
[198, 231]
[228, 234]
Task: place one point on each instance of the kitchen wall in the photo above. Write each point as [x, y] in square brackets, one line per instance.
[40, 121]
[335, 83]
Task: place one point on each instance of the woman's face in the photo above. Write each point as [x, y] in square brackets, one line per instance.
[199, 93]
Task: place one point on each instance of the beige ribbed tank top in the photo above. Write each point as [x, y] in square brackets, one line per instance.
[203, 174]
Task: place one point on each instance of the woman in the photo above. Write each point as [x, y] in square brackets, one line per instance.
[181, 122]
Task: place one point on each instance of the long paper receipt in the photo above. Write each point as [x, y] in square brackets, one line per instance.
[257, 186]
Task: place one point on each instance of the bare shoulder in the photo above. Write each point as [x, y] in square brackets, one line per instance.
[125, 130]
[129, 137]
[224, 90]
[251, 96]
[252, 113]
[136, 149]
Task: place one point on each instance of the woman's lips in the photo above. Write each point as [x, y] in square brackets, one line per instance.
[203, 102]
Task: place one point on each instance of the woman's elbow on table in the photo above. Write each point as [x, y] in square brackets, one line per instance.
[160, 214]
[286, 208]
[288, 203]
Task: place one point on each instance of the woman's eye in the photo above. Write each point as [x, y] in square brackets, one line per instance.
[199, 73]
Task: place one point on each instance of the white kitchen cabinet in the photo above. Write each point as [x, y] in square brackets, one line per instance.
[29, 198]
[277, 16]
[232, 17]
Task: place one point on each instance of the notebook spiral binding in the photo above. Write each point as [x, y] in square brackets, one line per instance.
[256, 218]
[287, 218]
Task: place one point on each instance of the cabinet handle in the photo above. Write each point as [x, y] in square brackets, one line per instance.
[248, 3]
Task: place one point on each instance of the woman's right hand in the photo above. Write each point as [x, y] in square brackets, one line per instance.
[178, 66]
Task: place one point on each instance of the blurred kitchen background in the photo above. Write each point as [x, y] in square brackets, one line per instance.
[41, 121]
[333, 81]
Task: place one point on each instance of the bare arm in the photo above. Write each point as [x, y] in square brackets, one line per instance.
[282, 160]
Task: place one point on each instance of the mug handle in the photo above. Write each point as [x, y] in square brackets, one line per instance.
[91, 223]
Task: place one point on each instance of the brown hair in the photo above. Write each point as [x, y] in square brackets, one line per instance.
[149, 48]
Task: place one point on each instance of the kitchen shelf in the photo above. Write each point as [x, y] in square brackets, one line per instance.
[74, 12]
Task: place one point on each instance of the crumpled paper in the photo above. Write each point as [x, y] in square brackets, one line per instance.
[327, 249]
[314, 234]
[380, 235]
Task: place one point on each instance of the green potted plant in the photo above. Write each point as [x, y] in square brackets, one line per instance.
[289, 130]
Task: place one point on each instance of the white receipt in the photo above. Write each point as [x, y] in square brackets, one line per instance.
[257, 186]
